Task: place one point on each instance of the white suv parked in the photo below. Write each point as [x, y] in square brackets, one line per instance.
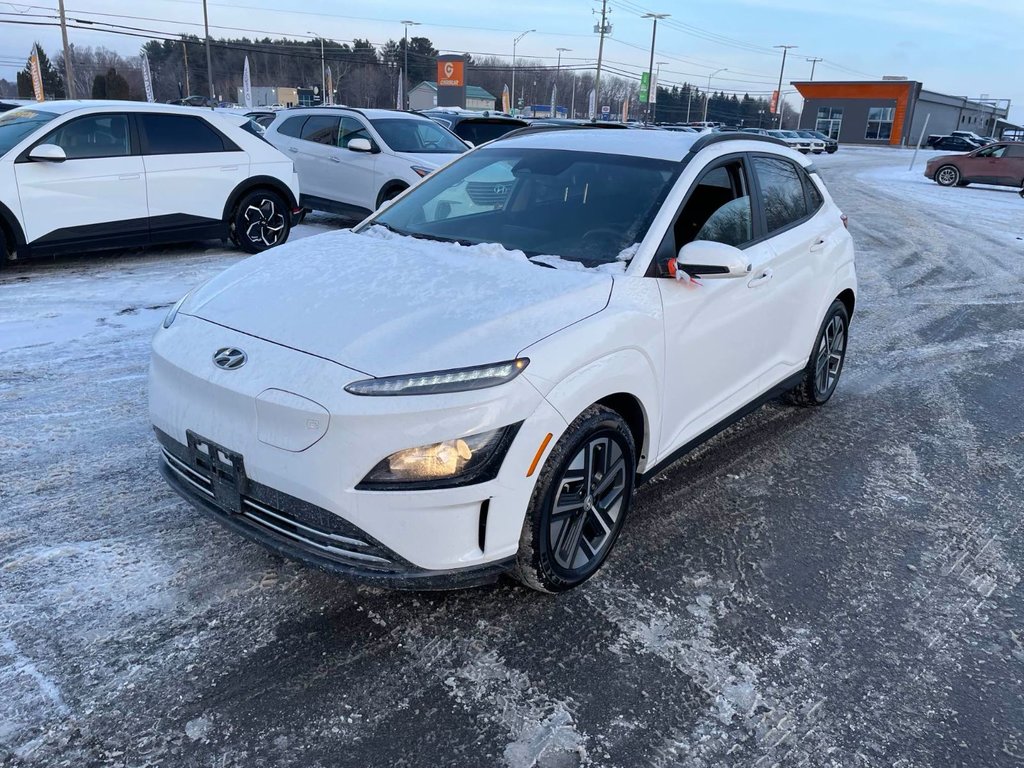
[352, 160]
[443, 395]
[86, 175]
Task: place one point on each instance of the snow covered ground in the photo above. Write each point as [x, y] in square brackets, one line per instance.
[832, 588]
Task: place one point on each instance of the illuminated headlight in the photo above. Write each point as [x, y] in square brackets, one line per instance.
[174, 310]
[465, 460]
[439, 382]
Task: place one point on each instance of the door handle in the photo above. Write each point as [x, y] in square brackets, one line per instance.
[335, 159]
[129, 176]
[819, 244]
[293, 150]
[761, 279]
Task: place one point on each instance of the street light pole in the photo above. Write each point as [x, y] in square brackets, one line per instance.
[209, 62]
[814, 61]
[707, 94]
[323, 69]
[514, 44]
[69, 74]
[603, 30]
[405, 72]
[782, 69]
[650, 66]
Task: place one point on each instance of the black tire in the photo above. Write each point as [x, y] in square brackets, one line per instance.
[818, 385]
[260, 221]
[947, 176]
[588, 525]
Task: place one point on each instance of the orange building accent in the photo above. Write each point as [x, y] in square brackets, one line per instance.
[900, 90]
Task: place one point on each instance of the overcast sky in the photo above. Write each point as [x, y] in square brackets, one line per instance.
[960, 47]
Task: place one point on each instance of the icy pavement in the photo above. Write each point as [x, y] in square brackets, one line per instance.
[831, 588]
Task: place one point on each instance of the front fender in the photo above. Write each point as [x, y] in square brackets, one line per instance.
[626, 371]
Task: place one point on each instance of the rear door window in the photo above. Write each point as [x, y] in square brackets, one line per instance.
[782, 192]
[181, 135]
[292, 126]
[321, 129]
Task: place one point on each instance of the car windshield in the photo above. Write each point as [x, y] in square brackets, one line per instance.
[17, 124]
[585, 207]
[419, 136]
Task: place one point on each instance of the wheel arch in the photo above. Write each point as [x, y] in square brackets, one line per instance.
[258, 182]
[849, 300]
[394, 184]
[14, 235]
[629, 407]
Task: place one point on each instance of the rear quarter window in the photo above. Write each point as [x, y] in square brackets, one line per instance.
[181, 135]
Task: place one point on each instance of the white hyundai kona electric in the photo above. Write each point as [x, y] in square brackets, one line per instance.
[469, 384]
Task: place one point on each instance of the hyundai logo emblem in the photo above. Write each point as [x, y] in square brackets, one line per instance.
[500, 189]
[229, 358]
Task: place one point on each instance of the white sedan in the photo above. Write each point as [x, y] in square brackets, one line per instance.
[452, 392]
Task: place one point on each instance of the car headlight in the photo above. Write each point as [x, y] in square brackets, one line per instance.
[465, 460]
[438, 382]
[421, 171]
[174, 310]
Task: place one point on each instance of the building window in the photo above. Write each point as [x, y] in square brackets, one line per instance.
[830, 120]
[880, 123]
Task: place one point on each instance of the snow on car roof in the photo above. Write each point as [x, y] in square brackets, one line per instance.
[661, 145]
[70, 105]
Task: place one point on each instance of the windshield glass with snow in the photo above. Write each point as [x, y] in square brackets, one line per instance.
[419, 136]
[16, 125]
[585, 207]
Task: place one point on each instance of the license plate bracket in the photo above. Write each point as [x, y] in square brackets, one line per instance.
[224, 468]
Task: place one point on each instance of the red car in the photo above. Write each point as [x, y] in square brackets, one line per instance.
[1001, 163]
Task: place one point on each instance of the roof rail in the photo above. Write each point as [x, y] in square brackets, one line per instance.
[714, 138]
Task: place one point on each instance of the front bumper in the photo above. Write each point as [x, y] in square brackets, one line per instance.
[314, 536]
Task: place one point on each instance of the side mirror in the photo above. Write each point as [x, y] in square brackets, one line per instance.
[360, 145]
[712, 261]
[47, 153]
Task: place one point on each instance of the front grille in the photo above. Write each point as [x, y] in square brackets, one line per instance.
[342, 548]
[489, 193]
[316, 531]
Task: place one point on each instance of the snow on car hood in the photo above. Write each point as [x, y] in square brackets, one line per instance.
[386, 304]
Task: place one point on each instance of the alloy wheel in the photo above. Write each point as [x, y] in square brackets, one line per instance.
[264, 224]
[948, 176]
[830, 356]
[588, 505]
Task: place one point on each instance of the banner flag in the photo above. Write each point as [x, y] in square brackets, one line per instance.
[147, 78]
[246, 85]
[37, 75]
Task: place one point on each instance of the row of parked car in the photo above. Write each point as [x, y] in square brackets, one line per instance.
[163, 173]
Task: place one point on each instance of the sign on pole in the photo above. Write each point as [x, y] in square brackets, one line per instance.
[592, 106]
[147, 78]
[773, 106]
[653, 94]
[37, 75]
[246, 85]
[645, 87]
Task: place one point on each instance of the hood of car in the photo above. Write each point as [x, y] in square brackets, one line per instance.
[384, 304]
[944, 159]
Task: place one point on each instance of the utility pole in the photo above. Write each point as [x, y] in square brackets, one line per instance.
[323, 69]
[405, 73]
[188, 88]
[814, 61]
[554, 87]
[707, 94]
[209, 61]
[69, 74]
[514, 44]
[600, 55]
[650, 66]
[785, 50]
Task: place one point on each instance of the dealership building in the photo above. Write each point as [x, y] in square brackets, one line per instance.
[893, 111]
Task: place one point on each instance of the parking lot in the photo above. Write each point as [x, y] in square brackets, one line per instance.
[840, 586]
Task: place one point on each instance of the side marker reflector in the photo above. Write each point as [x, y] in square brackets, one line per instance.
[540, 452]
